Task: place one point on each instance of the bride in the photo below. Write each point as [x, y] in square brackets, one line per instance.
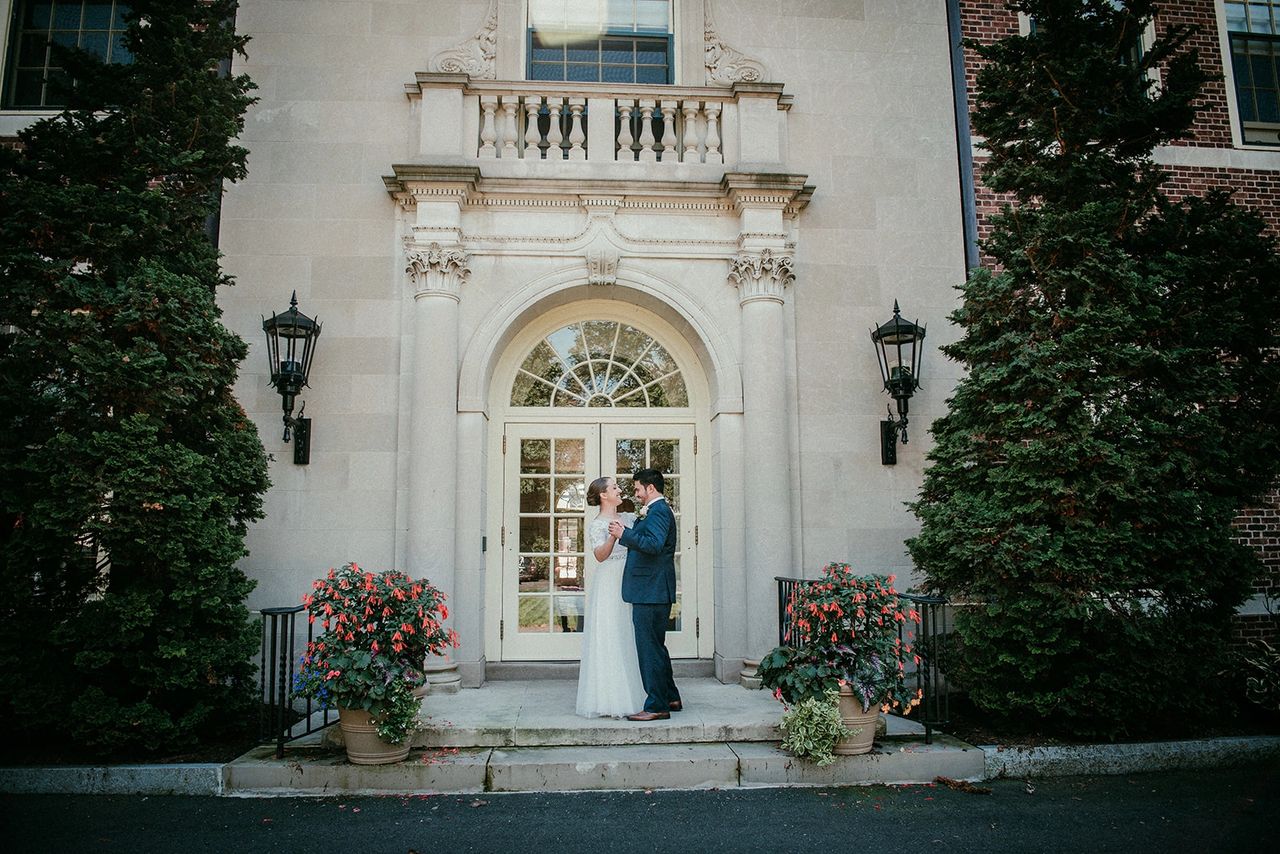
[609, 678]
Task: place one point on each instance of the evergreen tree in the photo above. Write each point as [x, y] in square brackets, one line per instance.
[1122, 395]
[130, 472]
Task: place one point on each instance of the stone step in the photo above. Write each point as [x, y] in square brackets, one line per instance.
[312, 771]
[540, 713]
[637, 766]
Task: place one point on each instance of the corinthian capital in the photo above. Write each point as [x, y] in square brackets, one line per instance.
[761, 275]
[437, 270]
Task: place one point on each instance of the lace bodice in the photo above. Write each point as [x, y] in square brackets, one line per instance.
[598, 534]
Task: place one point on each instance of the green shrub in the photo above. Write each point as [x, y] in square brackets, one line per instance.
[811, 729]
[130, 472]
[1121, 392]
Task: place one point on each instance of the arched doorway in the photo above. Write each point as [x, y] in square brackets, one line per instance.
[596, 391]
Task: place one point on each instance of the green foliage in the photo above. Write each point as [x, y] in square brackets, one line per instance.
[812, 728]
[1122, 392]
[130, 472]
[1262, 675]
[846, 629]
[378, 630]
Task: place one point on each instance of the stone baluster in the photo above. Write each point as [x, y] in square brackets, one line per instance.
[554, 134]
[647, 153]
[690, 109]
[669, 133]
[532, 136]
[576, 135]
[509, 131]
[625, 139]
[488, 106]
[713, 133]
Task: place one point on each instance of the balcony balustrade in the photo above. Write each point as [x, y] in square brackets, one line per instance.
[562, 123]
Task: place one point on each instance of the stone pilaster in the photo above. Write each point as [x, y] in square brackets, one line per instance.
[436, 273]
[762, 278]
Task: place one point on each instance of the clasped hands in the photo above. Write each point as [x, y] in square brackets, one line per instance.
[615, 529]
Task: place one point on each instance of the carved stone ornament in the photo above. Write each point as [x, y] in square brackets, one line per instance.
[726, 66]
[762, 276]
[437, 270]
[602, 265]
[475, 56]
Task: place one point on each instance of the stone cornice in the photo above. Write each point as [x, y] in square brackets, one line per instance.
[730, 192]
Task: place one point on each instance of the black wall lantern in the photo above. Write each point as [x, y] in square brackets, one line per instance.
[291, 343]
[898, 346]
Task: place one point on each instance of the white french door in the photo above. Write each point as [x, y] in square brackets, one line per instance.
[547, 566]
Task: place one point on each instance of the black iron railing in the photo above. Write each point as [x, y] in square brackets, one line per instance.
[280, 720]
[929, 644]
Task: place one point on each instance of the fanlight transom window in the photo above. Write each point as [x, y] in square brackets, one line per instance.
[599, 363]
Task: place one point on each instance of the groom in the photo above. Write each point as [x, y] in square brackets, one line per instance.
[649, 584]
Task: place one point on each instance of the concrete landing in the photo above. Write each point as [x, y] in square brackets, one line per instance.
[539, 713]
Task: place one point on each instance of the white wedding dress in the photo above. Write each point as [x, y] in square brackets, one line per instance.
[609, 678]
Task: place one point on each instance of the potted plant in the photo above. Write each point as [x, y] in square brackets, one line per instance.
[379, 627]
[845, 657]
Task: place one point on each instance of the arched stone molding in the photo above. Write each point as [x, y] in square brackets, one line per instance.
[719, 361]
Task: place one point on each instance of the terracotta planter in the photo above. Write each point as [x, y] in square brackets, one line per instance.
[862, 724]
[363, 745]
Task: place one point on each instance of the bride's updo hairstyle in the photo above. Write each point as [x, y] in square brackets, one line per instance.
[597, 486]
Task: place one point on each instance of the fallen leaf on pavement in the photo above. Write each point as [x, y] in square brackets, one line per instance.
[962, 786]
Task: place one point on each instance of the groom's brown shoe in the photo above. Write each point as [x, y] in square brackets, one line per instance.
[649, 716]
[677, 706]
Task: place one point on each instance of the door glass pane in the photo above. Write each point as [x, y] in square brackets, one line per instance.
[535, 534]
[571, 455]
[535, 456]
[569, 613]
[535, 574]
[568, 534]
[568, 575]
[664, 455]
[535, 613]
[535, 495]
[571, 494]
[629, 456]
[673, 494]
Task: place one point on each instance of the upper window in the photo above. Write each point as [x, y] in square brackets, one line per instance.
[1254, 31]
[93, 25]
[599, 363]
[602, 41]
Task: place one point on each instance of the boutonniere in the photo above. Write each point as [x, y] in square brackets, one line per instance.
[642, 512]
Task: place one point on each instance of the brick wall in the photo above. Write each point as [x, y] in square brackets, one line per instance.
[1245, 629]
[988, 20]
[1212, 127]
[1259, 527]
[1255, 188]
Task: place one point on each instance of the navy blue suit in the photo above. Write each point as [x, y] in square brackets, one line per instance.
[649, 584]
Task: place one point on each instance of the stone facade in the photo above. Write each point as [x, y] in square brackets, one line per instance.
[439, 213]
